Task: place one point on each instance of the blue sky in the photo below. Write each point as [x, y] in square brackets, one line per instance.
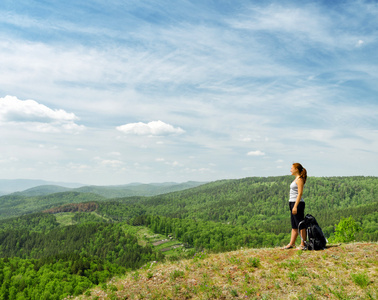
[112, 92]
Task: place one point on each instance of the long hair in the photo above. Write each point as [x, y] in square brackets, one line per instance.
[302, 171]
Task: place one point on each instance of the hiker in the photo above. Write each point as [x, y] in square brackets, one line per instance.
[297, 204]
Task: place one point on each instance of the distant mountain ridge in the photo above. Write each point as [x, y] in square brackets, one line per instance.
[8, 186]
[42, 190]
[32, 188]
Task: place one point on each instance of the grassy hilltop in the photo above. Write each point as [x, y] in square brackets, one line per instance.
[347, 271]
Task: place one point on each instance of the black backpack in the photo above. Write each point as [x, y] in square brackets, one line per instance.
[315, 235]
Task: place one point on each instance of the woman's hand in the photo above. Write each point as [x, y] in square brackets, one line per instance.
[294, 210]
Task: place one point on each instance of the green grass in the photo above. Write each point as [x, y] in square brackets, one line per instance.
[65, 219]
[167, 245]
[147, 237]
[361, 279]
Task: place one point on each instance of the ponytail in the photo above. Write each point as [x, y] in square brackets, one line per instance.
[302, 171]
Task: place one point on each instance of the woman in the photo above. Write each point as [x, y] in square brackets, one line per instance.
[297, 204]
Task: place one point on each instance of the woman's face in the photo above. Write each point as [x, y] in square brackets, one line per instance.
[293, 170]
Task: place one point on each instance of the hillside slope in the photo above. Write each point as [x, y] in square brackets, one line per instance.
[42, 190]
[261, 203]
[14, 205]
[347, 271]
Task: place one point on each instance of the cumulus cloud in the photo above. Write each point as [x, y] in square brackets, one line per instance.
[154, 128]
[15, 110]
[38, 117]
[256, 153]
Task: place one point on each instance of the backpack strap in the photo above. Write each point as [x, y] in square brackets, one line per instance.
[299, 230]
[302, 223]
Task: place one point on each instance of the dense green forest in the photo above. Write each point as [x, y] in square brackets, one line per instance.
[261, 203]
[77, 240]
[43, 260]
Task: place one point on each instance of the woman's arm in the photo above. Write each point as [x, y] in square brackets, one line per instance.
[300, 185]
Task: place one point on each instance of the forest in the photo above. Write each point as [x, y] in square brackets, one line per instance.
[77, 240]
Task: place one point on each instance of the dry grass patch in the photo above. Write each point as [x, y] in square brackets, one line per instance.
[342, 272]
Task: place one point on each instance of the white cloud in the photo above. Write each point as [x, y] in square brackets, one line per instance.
[79, 167]
[13, 109]
[9, 160]
[154, 128]
[111, 163]
[359, 43]
[199, 170]
[256, 153]
[36, 117]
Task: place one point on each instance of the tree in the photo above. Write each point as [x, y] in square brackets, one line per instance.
[346, 230]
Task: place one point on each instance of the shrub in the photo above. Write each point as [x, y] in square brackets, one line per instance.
[345, 231]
